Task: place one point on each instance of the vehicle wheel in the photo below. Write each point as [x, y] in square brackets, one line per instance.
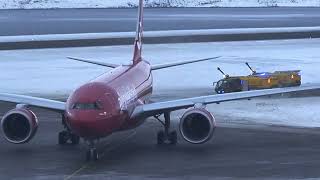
[160, 137]
[62, 138]
[173, 137]
[75, 139]
[298, 83]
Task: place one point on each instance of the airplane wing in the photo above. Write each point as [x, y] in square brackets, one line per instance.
[167, 65]
[153, 67]
[152, 109]
[33, 101]
[94, 62]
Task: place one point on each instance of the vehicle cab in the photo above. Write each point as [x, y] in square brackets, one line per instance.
[228, 85]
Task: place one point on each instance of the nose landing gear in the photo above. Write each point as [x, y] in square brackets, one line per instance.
[165, 135]
[92, 153]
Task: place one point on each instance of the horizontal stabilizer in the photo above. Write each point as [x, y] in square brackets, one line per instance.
[95, 62]
[167, 65]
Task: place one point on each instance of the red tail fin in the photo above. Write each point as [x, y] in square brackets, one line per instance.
[139, 33]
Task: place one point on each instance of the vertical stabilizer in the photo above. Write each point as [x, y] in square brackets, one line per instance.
[139, 34]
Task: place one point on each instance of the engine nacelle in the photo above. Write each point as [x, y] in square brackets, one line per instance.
[197, 125]
[19, 125]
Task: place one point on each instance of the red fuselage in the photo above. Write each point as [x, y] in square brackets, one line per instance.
[105, 104]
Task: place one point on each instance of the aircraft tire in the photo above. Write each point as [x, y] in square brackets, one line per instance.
[75, 139]
[88, 155]
[92, 154]
[62, 138]
[95, 155]
[160, 137]
[173, 137]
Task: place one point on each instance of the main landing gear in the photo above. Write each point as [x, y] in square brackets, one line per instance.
[66, 135]
[165, 136]
[92, 153]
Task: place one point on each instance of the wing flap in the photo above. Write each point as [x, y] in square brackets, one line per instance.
[33, 101]
[160, 107]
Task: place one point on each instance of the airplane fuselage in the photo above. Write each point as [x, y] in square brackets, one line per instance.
[105, 104]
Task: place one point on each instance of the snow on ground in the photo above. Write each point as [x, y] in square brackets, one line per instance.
[265, 113]
[300, 112]
[29, 4]
[47, 72]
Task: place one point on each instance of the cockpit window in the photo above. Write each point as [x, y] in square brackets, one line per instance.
[87, 106]
[222, 82]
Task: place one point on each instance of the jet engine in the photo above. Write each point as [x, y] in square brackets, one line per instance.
[197, 125]
[19, 125]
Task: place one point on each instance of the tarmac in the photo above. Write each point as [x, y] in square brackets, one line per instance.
[66, 21]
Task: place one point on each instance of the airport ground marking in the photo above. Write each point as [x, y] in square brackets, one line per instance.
[87, 165]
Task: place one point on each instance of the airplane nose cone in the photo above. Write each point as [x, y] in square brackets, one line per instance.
[89, 125]
[93, 111]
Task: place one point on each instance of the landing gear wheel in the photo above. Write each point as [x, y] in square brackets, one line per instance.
[63, 137]
[95, 155]
[160, 137]
[166, 136]
[74, 139]
[92, 154]
[88, 155]
[173, 137]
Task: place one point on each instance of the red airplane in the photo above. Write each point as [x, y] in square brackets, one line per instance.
[119, 100]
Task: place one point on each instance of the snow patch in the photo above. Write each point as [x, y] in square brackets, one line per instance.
[299, 112]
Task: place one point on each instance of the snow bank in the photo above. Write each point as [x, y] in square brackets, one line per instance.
[30, 4]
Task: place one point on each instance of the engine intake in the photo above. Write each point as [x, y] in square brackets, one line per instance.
[197, 125]
[19, 125]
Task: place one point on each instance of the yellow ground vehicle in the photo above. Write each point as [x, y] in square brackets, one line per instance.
[263, 80]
